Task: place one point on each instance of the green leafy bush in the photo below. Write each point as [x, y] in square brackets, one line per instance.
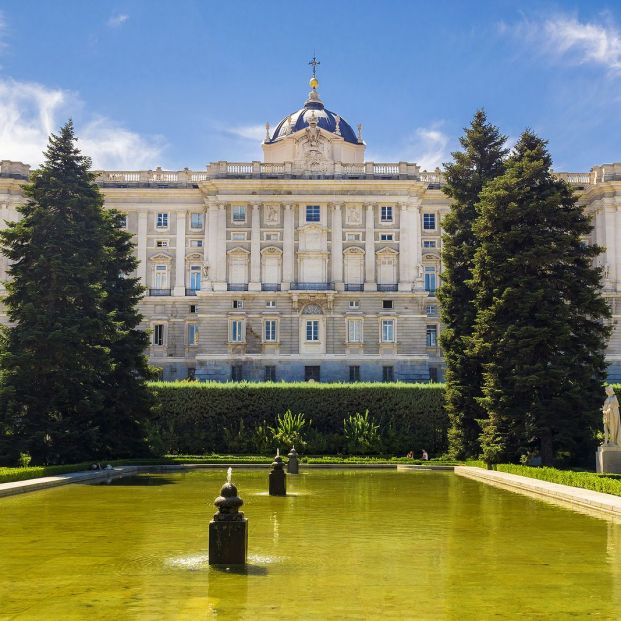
[191, 417]
[361, 434]
[290, 430]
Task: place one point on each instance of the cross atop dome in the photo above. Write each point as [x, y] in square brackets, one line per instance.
[314, 82]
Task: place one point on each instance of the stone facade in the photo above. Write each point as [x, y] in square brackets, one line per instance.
[318, 266]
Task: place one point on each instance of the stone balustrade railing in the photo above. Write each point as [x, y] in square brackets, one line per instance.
[330, 170]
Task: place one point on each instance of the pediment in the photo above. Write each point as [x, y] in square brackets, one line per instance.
[386, 250]
[161, 256]
[271, 250]
[239, 251]
[353, 250]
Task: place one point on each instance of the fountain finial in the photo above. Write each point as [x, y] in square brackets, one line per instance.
[228, 502]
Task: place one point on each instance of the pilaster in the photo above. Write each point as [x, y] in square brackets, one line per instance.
[221, 258]
[405, 262]
[337, 246]
[288, 250]
[370, 283]
[141, 246]
[180, 254]
[611, 241]
[255, 250]
[416, 242]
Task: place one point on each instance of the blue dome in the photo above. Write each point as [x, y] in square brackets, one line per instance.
[325, 119]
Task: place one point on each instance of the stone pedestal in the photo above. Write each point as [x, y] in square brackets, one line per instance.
[228, 542]
[608, 459]
[278, 484]
[293, 464]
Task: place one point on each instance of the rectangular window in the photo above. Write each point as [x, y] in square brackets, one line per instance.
[238, 304]
[312, 373]
[269, 332]
[432, 336]
[237, 331]
[430, 280]
[386, 237]
[429, 221]
[312, 330]
[270, 373]
[239, 214]
[433, 374]
[195, 277]
[386, 304]
[192, 308]
[161, 243]
[388, 374]
[161, 277]
[192, 334]
[196, 221]
[158, 334]
[354, 373]
[196, 243]
[272, 236]
[236, 373]
[192, 373]
[386, 214]
[354, 304]
[388, 330]
[354, 330]
[432, 310]
[271, 304]
[429, 243]
[162, 221]
[238, 236]
[352, 236]
[313, 213]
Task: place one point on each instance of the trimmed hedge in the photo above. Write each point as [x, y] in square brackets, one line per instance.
[200, 418]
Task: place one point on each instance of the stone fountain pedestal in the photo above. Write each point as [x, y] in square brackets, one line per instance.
[293, 466]
[228, 531]
[278, 482]
[608, 459]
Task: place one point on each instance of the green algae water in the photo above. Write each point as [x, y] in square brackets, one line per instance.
[347, 544]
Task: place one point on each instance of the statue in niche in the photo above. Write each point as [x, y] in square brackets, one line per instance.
[612, 424]
[205, 270]
[272, 214]
[421, 270]
[354, 215]
[606, 271]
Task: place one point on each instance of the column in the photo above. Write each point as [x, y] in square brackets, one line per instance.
[255, 250]
[221, 258]
[180, 255]
[617, 214]
[416, 243]
[141, 246]
[210, 244]
[337, 246]
[405, 263]
[611, 242]
[288, 250]
[369, 249]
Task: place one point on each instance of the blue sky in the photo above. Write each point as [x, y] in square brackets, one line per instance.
[181, 84]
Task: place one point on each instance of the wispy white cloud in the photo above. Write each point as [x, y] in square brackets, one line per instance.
[247, 132]
[565, 38]
[427, 146]
[117, 20]
[29, 112]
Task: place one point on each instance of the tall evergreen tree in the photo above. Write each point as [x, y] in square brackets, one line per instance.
[541, 326]
[480, 160]
[66, 348]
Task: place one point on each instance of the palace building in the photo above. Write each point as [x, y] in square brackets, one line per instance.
[312, 264]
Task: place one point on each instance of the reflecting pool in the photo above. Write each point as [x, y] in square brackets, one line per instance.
[347, 544]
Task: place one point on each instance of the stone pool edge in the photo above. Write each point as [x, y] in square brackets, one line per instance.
[32, 485]
[572, 497]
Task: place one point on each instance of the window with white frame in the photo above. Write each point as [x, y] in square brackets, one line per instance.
[429, 221]
[352, 236]
[386, 213]
[238, 304]
[237, 331]
[161, 221]
[271, 236]
[431, 310]
[195, 277]
[354, 330]
[196, 243]
[238, 236]
[161, 243]
[430, 279]
[158, 334]
[160, 277]
[192, 334]
[312, 330]
[388, 330]
[239, 214]
[432, 336]
[354, 304]
[387, 237]
[270, 330]
[270, 304]
[313, 213]
[196, 221]
[429, 243]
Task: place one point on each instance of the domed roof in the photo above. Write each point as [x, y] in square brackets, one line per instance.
[330, 121]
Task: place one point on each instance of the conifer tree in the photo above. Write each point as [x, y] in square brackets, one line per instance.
[480, 160]
[541, 326]
[72, 342]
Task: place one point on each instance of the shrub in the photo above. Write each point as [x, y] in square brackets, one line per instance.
[361, 434]
[191, 417]
[290, 430]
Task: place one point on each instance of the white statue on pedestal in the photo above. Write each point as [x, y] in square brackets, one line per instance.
[612, 424]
